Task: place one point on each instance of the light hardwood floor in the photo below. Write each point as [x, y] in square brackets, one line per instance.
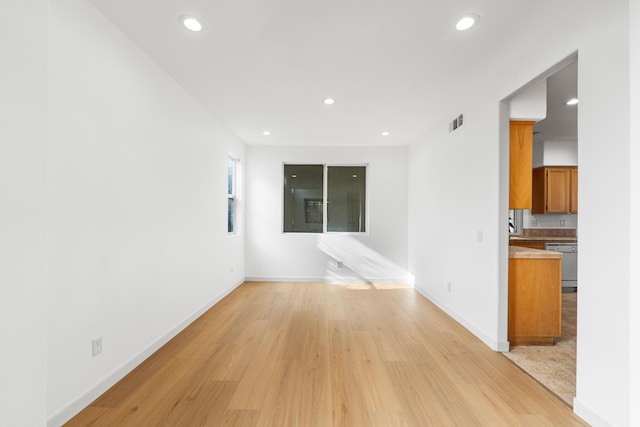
[555, 365]
[316, 354]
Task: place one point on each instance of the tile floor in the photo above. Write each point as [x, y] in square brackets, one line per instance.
[554, 366]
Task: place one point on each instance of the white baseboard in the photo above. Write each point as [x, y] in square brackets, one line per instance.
[403, 280]
[493, 344]
[285, 279]
[92, 394]
[588, 415]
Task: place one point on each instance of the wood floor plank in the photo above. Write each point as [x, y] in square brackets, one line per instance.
[347, 402]
[258, 377]
[196, 403]
[91, 416]
[291, 401]
[241, 351]
[301, 354]
[240, 418]
[388, 419]
[417, 405]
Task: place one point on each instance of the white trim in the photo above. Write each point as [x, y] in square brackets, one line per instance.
[588, 415]
[284, 279]
[233, 195]
[325, 198]
[401, 280]
[92, 394]
[494, 345]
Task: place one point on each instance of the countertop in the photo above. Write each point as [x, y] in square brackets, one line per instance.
[530, 253]
[544, 239]
[567, 235]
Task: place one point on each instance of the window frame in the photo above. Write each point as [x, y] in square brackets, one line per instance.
[325, 190]
[515, 219]
[232, 196]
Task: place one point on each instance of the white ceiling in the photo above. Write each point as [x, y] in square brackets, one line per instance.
[395, 65]
[561, 123]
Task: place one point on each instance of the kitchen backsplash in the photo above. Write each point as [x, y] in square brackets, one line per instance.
[549, 232]
[549, 220]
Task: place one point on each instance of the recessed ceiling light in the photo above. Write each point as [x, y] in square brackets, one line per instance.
[572, 101]
[266, 133]
[192, 23]
[328, 101]
[466, 22]
[385, 133]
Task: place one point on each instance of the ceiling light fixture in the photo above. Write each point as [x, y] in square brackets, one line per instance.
[328, 101]
[572, 101]
[385, 133]
[266, 133]
[192, 23]
[466, 22]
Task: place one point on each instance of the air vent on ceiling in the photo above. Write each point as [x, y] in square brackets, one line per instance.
[456, 123]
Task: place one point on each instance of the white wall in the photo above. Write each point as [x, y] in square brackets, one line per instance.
[538, 154]
[530, 104]
[453, 196]
[467, 169]
[603, 375]
[555, 153]
[272, 255]
[552, 220]
[23, 59]
[137, 227]
[634, 235]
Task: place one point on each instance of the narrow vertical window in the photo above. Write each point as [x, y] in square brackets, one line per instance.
[515, 221]
[231, 195]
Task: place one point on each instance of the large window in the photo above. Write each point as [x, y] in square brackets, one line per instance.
[231, 195]
[321, 199]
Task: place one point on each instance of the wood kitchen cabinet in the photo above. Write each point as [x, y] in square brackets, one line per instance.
[535, 244]
[573, 201]
[520, 163]
[555, 190]
[535, 296]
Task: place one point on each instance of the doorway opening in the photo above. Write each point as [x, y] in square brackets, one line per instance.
[555, 146]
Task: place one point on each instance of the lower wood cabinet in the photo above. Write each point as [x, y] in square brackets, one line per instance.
[535, 300]
[535, 244]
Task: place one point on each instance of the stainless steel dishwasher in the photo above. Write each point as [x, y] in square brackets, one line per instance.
[569, 263]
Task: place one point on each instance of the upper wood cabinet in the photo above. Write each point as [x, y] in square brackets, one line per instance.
[520, 163]
[573, 203]
[555, 190]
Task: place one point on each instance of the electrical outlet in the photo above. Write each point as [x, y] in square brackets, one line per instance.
[448, 286]
[96, 347]
[340, 264]
[479, 236]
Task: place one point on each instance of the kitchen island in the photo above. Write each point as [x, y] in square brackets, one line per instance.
[535, 296]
